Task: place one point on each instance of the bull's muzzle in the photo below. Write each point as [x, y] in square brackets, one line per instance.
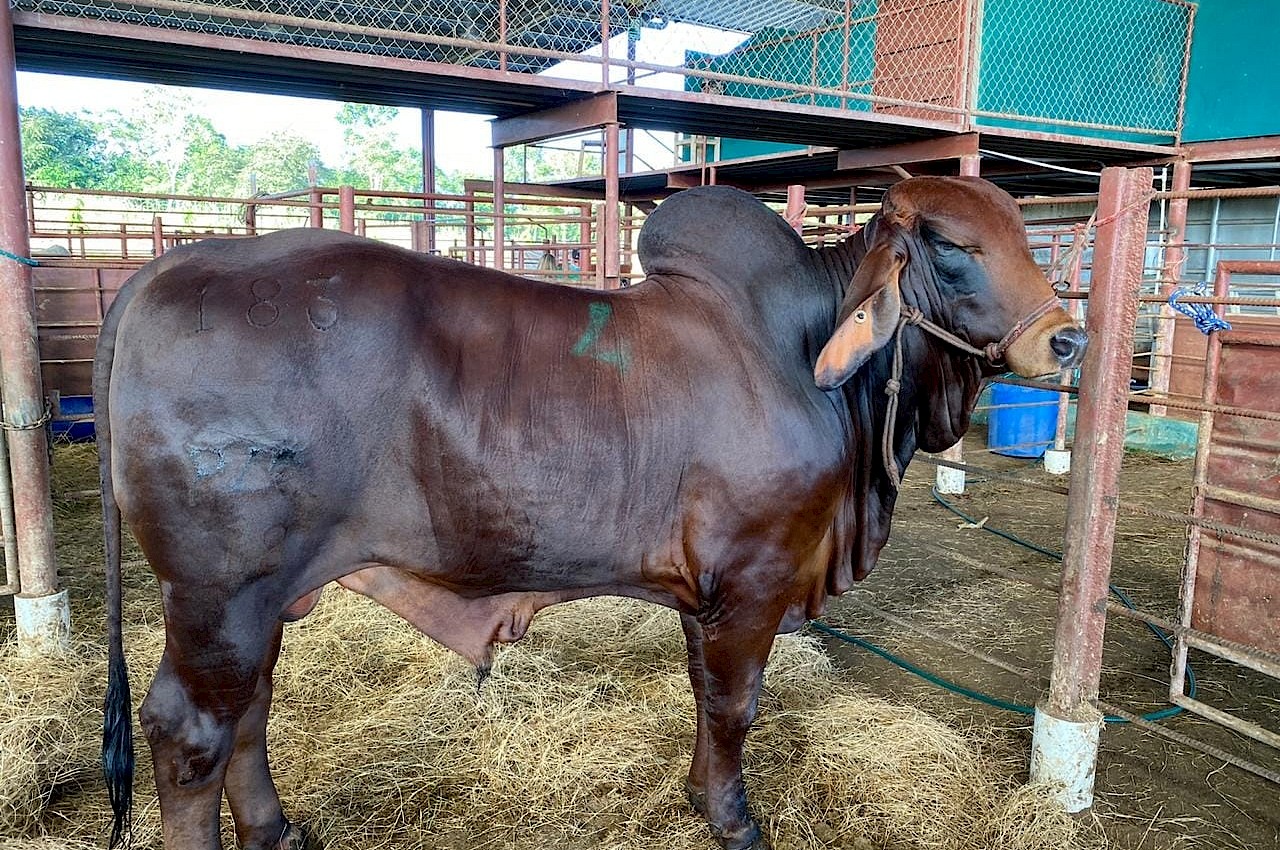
[1069, 345]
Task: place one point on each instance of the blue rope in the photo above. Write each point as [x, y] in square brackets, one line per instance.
[26, 261]
[1207, 321]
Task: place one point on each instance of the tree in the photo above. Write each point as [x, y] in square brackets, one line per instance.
[280, 163]
[373, 159]
[62, 149]
[210, 166]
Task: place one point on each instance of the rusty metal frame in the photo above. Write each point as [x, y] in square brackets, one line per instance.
[928, 150]
[1095, 476]
[1170, 273]
[588, 113]
[1209, 397]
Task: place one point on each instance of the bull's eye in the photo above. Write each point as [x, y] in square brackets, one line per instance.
[860, 316]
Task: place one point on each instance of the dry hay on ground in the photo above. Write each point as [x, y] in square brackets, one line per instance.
[580, 739]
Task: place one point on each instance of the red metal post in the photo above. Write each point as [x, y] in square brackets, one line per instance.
[499, 208]
[1170, 272]
[612, 226]
[347, 209]
[429, 174]
[796, 206]
[42, 612]
[157, 236]
[315, 197]
[588, 261]
[949, 480]
[1070, 706]
[469, 212]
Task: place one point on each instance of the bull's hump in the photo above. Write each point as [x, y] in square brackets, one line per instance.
[717, 232]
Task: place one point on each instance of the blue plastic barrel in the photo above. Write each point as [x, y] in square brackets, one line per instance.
[1022, 431]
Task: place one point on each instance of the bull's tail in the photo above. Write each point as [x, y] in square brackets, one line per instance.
[117, 707]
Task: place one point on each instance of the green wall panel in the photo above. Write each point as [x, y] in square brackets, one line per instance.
[1233, 88]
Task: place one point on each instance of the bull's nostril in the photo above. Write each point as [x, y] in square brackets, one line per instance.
[1068, 345]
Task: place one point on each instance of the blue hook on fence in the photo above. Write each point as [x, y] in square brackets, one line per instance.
[1207, 321]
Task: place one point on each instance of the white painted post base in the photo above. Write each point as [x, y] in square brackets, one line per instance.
[44, 623]
[1064, 754]
[950, 481]
[1057, 461]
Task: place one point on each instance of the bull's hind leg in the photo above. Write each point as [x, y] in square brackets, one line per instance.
[254, 801]
[208, 678]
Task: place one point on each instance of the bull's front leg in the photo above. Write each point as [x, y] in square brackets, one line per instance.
[734, 649]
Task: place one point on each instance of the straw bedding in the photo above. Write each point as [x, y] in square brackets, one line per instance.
[580, 739]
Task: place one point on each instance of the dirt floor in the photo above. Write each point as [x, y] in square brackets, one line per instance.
[1152, 794]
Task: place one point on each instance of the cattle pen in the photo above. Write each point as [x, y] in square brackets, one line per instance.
[1138, 678]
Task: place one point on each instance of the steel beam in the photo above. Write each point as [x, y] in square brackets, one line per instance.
[43, 615]
[928, 150]
[575, 116]
[1229, 150]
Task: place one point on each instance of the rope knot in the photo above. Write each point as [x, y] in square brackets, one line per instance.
[892, 386]
[911, 315]
[994, 352]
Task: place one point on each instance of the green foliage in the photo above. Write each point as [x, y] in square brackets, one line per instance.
[165, 146]
[279, 163]
[372, 159]
[62, 149]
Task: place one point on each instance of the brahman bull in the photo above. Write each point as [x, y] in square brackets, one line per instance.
[467, 447]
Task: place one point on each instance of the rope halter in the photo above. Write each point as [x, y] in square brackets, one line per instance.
[993, 353]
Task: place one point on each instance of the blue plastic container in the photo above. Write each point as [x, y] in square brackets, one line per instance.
[1023, 431]
[75, 420]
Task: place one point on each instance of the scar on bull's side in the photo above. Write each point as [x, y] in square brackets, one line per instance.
[210, 460]
[207, 460]
[588, 345]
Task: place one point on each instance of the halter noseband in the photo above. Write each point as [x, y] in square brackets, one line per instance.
[993, 353]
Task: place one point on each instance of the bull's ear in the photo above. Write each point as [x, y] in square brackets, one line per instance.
[865, 328]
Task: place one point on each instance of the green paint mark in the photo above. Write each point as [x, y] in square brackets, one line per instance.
[588, 345]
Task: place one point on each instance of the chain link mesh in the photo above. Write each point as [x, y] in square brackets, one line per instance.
[1105, 63]
[1113, 66]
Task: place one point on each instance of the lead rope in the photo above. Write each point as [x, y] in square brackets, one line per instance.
[993, 353]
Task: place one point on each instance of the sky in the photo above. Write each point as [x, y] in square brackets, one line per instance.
[462, 140]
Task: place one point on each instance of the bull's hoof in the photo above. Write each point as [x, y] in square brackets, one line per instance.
[293, 839]
[697, 799]
[748, 838]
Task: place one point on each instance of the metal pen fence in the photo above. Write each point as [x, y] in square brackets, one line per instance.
[1115, 250]
[953, 62]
